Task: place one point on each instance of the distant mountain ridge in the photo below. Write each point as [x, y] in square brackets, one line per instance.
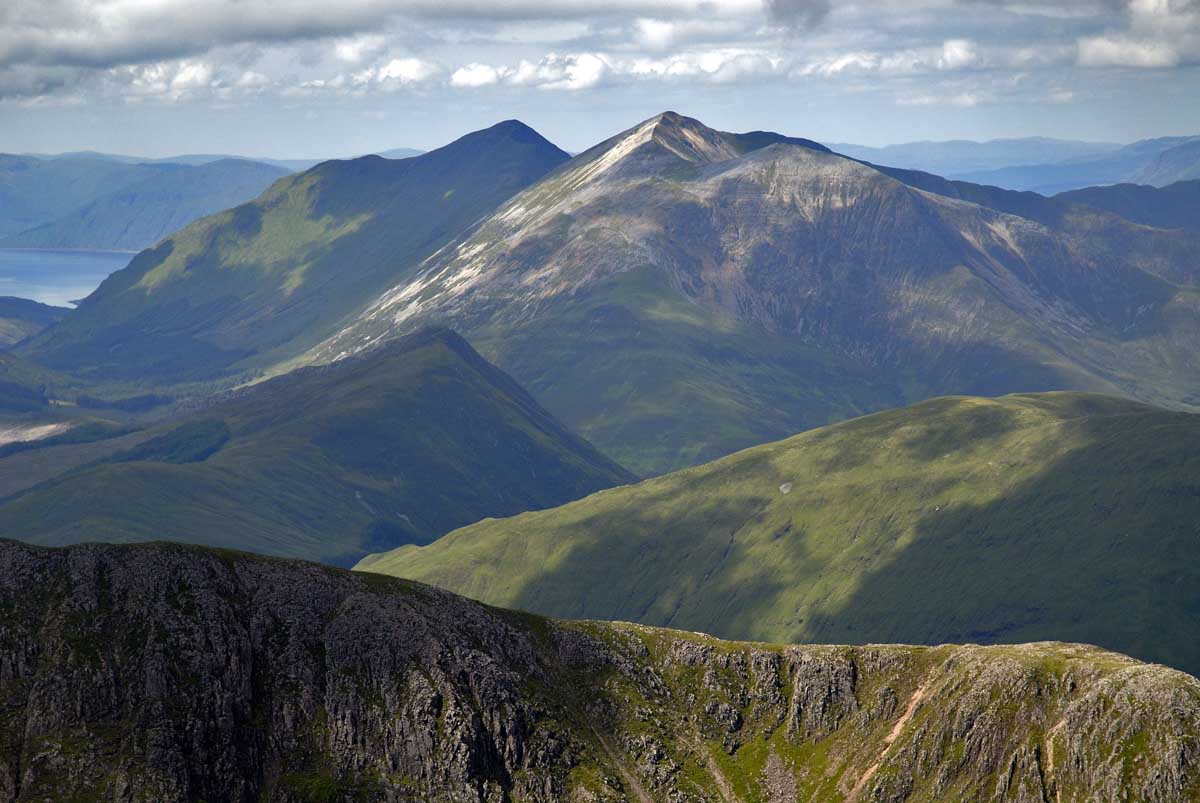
[953, 158]
[95, 203]
[140, 214]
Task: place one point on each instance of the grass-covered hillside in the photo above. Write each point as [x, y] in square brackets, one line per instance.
[407, 443]
[252, 286]
[1046, 516]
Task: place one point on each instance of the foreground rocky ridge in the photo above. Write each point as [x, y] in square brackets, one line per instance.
[164, 673]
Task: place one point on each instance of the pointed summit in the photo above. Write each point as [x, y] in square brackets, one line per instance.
[690, 139]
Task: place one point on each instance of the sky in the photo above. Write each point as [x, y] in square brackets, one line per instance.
[329, 78]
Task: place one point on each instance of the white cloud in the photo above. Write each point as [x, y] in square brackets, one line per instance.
[476, 75]
[655, 34]
[571, 72]
[963, 100]
[406, 71]
[1105, 51]
[957, 54]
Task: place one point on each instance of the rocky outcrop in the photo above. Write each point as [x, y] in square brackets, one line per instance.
[170, 673]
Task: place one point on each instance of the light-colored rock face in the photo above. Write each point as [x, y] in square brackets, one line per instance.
[172, 673]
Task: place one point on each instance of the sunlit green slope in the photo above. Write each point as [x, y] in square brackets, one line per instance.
[1048, 516]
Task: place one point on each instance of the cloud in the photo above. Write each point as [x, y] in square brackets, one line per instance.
[1119, 51]
[956, 54]
[569, 72]
[476, 75]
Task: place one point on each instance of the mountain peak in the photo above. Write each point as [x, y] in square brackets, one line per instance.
[688, 138]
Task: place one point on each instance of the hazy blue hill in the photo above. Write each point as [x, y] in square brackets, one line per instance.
[1122, 165]
[957, 157]
[1174, 206]
[400, 153]
[1043, 516]
[255, 285]
[20, 318]
[417, 438]
[1180, 163]
[34, 191]
[140, 214]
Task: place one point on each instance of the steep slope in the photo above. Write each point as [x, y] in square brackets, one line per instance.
[171, 673]
[252, 286]
[677, 293]
[1052, 516]
[20, 318]
[1169, 207]
[329, 463]
[140, 214]
[1180, 163]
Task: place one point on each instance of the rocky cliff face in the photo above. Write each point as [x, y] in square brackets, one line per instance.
[171, 673]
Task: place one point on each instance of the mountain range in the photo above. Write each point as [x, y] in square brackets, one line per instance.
[673, 294]
[676, 293]
[995, 395]
[177, 673]
[412, 440]
[1131, 163]
[1040, 164]
[954, 158]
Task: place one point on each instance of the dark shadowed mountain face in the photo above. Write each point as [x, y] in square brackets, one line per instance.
[417, 438]
[172, 673]
[1064, 516]
[253, 286]
[139, 214]
[675, 293]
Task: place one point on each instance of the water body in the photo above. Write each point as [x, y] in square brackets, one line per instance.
[56, 277]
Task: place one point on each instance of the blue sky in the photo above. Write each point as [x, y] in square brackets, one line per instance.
[299, 78]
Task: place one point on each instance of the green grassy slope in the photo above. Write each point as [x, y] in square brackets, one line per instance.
[252, 286]
[400, 446]
[1043, 516]
[140, 214]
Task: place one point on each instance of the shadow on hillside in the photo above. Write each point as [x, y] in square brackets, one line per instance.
[657, 568]
[1101, 547]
